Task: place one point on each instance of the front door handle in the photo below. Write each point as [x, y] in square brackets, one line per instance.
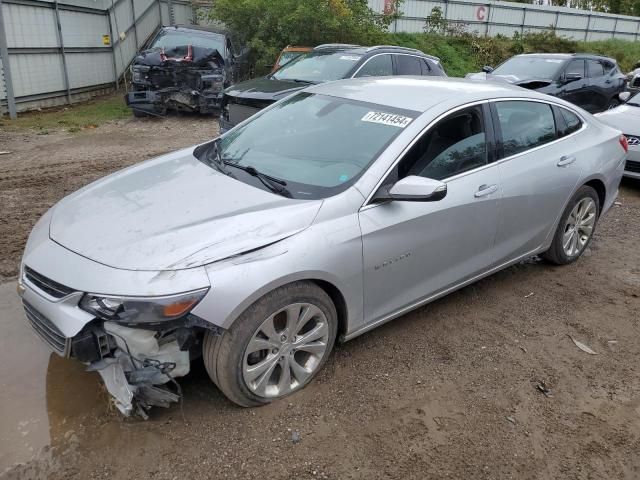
[484, 190]
[566, 160]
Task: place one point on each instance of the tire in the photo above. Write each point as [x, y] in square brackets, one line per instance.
[233, 358]
[139, 114]
[558, 252]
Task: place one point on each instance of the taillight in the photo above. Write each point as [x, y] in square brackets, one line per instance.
[624, 143]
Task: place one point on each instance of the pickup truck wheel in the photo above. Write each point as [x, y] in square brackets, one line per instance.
[275, 347]
[576, 227]
[139, 113]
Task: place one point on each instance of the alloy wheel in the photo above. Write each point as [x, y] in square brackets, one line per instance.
[285, 350]
[579, 227]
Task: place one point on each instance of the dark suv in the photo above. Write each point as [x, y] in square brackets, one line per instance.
[589, 81]
[323, 64]
[185, 68]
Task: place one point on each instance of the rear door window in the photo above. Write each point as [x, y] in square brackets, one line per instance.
[595, 68]
[408, 65]
[575, 67]
[378, 66]
[524, 125]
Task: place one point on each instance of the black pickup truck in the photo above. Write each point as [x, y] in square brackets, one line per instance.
[185, 68]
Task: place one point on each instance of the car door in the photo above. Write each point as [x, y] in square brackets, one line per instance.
[538, 173]
[599, 86]
[414, 250]
[573, 84]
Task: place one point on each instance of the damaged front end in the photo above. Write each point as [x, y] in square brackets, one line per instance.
[185, 78]
[138, 345]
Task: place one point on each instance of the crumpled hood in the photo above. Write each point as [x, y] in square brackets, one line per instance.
[264, 88]
[186, 56]
[171, 213]
[532, 83]
[625, 118]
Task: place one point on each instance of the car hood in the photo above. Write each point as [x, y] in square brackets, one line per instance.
[530, 83]
[625, 118]
[264, 88]
[172, 213]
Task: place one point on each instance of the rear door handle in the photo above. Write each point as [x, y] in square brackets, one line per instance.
[484, 190]
[566, 160]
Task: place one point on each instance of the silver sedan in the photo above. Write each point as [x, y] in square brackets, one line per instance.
[325, 215]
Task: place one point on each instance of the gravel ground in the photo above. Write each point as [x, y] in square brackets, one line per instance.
[447, 391]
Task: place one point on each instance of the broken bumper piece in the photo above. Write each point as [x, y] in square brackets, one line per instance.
[139, 371]
[159, 102]
[142, 393]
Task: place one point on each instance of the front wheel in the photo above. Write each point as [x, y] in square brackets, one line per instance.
[576, 227]
[275, 347]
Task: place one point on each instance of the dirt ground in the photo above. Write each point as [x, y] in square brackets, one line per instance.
[447, 391]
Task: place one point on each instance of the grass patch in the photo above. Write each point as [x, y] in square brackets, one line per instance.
[72, 118]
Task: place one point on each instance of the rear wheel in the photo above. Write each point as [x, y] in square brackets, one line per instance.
[139, 113]
[275, 347]
[576, 227]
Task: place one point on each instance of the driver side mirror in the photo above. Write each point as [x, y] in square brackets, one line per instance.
[572, 77]
[487, 69]
[624, 96]
[414, 189]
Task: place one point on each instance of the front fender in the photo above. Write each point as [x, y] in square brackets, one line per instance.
[330, 251]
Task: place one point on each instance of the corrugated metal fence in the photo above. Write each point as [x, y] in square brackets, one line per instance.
[60, 52]
[493, 18]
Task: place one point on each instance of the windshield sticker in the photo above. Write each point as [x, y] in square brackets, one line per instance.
[390, 119]
[350, 58]
[343, 178]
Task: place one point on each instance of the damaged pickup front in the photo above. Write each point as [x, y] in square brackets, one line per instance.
[182, 78]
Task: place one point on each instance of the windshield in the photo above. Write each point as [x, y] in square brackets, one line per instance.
[168, 39]
[286, 57]
[527, 67]
[634, 101]
[318, 66]
[318, 145]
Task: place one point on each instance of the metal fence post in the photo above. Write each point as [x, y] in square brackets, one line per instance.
[65, 70]
[8, 82]
[113, 51]
[172, 17]
[486, 30]
[586, 32]
[135, 25]
[615, 27]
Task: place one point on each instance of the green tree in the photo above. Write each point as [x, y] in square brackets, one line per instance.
[270, 25]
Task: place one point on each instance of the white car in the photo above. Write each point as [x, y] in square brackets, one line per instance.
[626, 118]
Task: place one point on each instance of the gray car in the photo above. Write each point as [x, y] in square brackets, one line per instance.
[322, 217]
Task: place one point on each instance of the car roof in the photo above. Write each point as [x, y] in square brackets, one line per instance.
[567, 56]
[420, 93]
[196, 29]
[360, 50]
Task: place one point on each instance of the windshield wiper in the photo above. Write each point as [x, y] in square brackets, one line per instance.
[633, 104]
[215, 158]
[274, 184]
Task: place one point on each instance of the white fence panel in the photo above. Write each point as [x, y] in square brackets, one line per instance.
[504, 18]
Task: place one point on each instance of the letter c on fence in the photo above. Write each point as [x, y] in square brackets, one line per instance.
[480, 13]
